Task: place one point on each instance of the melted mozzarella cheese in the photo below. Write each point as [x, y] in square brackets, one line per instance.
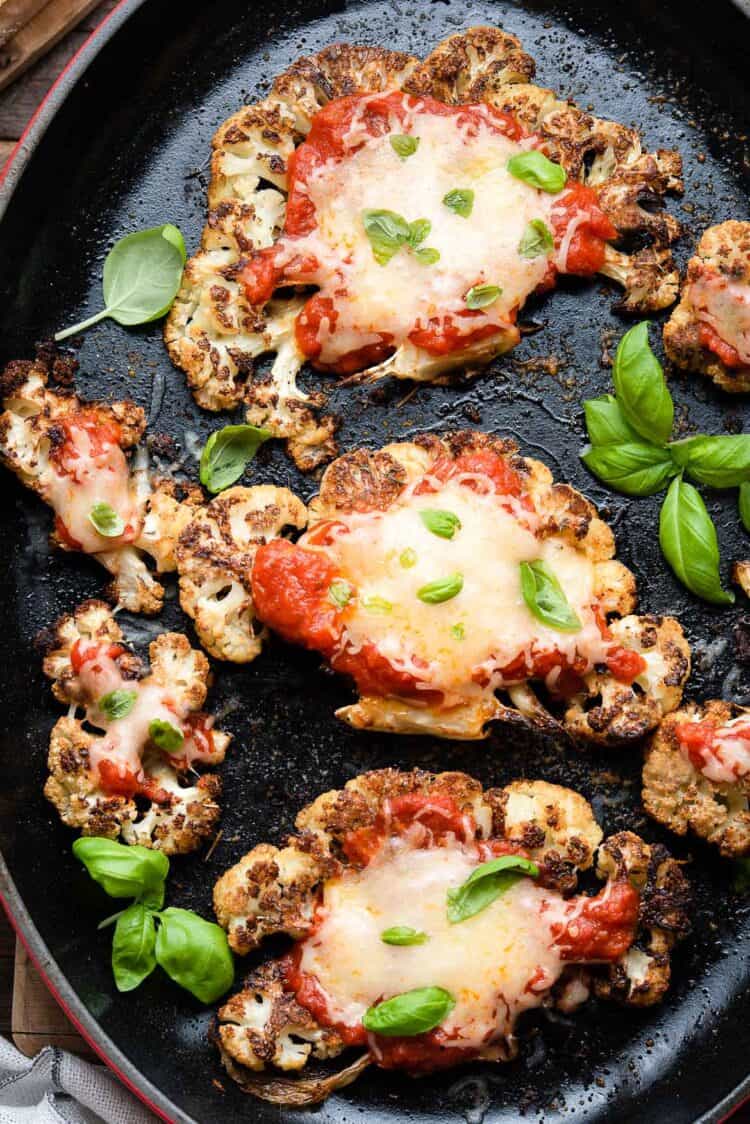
[479, 250]
[727, 757]
[495, 965]
[725, 305]
[493, 623]
[95, 478]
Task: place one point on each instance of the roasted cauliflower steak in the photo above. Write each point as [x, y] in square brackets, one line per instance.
[357, 588]
[709, 330]
[108, 773]
[215, 556]
[77, 456]
[218, 329]
[266, 1027]
[696, 775]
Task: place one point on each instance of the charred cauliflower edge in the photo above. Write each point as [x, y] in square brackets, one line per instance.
[274, 891]
[608, 712]
[725, 249]
[192, 814]
[679, 796]
[30, 428]
[215, 336]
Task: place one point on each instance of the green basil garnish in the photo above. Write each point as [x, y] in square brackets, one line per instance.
[403, 935]
[142, 275]
[535, 169]
[387, 233]
[407, 558]
[487, 883]
[480, 296]
[377, 605]
[168, 737]
[545, 597]
[743, 504]
[687, 537]
[226, 454]
[124, 872]
[536, 240]
[444, 524]
[340, 592]
[427, 255]
[444, 589]
[640, 386]
[720, 462]
[413, 1012]
[106, 520]
[133, 943]
[194, 953]
[605, 422]
[418, 231]
[635, 468]
[460, 200]
[117, 704]
[458, 631]
[404, 145]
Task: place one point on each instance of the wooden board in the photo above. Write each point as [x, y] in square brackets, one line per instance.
[36, 1019]
[39, 35]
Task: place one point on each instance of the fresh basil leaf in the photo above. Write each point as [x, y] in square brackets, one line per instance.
[634, 468]
[460, 200]
[535, 169]
[106, 520]
[720, 462]
[444, 524]
[403, 935]
[545, 597]
[168, 737]
[606, 423]
[117, 704]
[743, 503]
[444, 589]
[142, 275]
[418, 231]
[640, 386]
[413, 1012]
[377, 605]
[340, 592]
[458, 631]
[536, 240]
[407, 558]
[387, 233]
[194, 953]
[133, 943]
[428, 255]
[404, 145]
[122, 871]
[226, 454]
[480, 296]
[487, 883]
[687, 537]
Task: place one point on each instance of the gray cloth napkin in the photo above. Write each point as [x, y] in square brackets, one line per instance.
[56, 1087]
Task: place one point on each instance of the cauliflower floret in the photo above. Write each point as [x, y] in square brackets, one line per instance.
[215, 558]
[108, 776]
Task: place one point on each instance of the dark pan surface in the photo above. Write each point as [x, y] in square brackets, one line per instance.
[129, 150]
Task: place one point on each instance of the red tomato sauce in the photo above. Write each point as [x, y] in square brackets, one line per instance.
[585, 254]
[119, 781]
[101, 432]
[84, 651]
[600, 928]
[711, 340]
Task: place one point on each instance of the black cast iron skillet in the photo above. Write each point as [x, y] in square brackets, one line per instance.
[127, 148]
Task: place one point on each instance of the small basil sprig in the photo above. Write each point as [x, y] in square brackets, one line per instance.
[545, 597]
[687, 537]
[444, 589]
[481, 296]
[117, 704]
[413, 1012]
[633, 467]
[487, 883]
[142, 275]
[227, 452]
[340, 592]
[536, 240]
[444, 524]
[407, 558]
[388, 231]
[165, 735]
[640, 386]
[192, 951]
[377, 605]
[404, 145]
[106, 520]
[460, 200]
[535, 169]
[720, 462]
[403, 935]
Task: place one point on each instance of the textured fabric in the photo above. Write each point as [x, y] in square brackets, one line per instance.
[58, 1088]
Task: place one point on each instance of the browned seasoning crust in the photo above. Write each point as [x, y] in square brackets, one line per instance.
[274, 890]
[679, 796]
[725, 250]
[216, 337]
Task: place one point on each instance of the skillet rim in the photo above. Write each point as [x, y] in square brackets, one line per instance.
[11, 176]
